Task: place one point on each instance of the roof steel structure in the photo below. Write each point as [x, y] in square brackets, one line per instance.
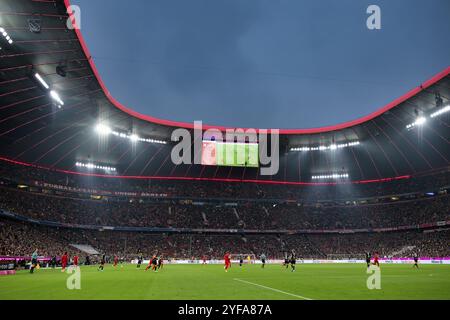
[37, 129]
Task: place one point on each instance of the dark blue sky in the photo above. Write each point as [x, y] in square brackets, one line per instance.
[264, 63]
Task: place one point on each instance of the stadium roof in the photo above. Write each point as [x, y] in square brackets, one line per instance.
[55, 130]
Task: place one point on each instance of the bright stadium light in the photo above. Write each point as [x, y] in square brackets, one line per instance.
[326, 147]
[332, 176]
[134, 138]
[102, 129]
[6, 35]
[440, 112]
[42, 81]
[153, 141]
[90, 165]
[55, 96]
[419, 122]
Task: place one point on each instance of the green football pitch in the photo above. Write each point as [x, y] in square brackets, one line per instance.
[210, 282]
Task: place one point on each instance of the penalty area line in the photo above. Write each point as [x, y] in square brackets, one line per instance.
[273, 289]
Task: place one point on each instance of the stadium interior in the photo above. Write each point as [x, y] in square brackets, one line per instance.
[79, 168]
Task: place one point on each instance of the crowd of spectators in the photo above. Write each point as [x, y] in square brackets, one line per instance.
[253, 216]
[21, 239]
[425, 244]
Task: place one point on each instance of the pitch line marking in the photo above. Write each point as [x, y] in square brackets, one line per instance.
[273, 289]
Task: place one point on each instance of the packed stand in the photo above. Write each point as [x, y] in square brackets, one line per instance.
[251, 216]
[18, 238]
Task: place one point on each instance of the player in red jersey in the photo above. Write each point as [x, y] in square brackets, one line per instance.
[153, 263]
[149, 263]
[116, 261]
[227, 259]
[64, 260]
[375, 260]
[75, 261]
[204, 260]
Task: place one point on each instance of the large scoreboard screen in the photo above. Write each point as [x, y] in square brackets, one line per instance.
[230, 154]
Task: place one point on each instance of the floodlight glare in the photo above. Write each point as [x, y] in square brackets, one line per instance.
[56, 97]
[333, 176]
[326, 147]
[441, 111]
[102, 129]
[134, 138]
[42, 81]
[420, 121]
[90, 165]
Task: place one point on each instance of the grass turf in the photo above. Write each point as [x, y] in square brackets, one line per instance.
[210, 282]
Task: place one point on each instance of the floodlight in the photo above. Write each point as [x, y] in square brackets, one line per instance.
[102, 129]
[42, 81]
[56, 97]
